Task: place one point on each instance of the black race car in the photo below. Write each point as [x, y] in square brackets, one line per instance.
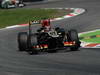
[48, 41]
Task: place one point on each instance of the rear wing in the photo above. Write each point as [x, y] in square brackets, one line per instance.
[32, 22]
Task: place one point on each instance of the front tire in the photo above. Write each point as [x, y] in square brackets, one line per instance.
[73, 36]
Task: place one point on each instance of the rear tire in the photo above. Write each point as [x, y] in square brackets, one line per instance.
[33, 40]
[22, 41]
[73, 36]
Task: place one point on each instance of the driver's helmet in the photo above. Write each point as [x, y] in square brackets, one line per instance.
[45, 22]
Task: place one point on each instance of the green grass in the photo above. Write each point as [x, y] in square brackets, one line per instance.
[93, 40]
[90, 34]
[20, 16]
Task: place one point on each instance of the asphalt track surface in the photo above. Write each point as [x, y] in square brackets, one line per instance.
[83, 62]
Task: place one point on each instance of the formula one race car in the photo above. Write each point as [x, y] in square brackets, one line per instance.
[48, 40]
[11, 3]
